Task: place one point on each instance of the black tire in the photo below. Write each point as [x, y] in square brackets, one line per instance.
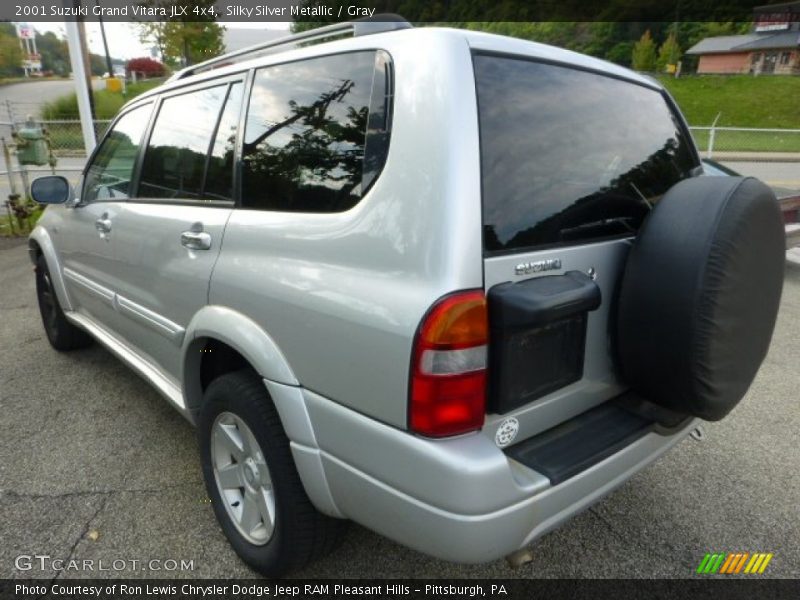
[301, 533]
[61, 334]
[700, 295]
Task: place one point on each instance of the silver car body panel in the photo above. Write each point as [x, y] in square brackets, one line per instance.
[40, 239]
[369, 274]
[598, 383]
[325, 308]
[161, 284]
[461, 499]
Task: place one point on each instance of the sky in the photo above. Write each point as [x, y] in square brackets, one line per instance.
[123, 39]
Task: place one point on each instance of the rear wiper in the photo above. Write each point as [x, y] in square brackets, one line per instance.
[642, 196]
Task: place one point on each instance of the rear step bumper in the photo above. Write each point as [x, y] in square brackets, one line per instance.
[461, 499]
[574, 446]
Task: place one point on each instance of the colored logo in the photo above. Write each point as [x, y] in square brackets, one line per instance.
[731, 563]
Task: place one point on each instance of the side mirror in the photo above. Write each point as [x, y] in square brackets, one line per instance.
[52, 189]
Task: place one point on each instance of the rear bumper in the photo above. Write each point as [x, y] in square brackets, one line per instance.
[460, 499]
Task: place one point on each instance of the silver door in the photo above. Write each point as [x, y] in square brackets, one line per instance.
[168, 238]
[165, 257]
[87, 253]
[86, 235]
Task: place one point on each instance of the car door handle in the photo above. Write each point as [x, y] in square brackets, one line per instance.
[103, 225]
[196, 240]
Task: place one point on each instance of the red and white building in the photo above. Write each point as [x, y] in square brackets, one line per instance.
[772, 47]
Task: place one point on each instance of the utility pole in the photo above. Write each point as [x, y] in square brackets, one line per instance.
[109, 66]
[87, 63]
[23, 45]
[82, 91]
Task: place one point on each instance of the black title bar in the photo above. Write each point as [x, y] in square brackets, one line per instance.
[421, 11]
[712, 586]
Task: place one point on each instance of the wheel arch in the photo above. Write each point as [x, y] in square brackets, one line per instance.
[40, 244]
[235, 342]
[239, 338]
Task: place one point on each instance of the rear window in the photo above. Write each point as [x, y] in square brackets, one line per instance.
[569, 156]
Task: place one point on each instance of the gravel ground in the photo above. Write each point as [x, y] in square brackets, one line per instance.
[95, 465]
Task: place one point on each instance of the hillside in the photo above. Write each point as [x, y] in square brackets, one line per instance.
[742, 100]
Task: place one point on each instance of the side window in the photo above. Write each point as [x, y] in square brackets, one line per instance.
[109, 175]
[175, 159]
[219, 176]
[308, 128]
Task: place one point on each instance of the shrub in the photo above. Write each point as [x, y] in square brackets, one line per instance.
[144, 68]
[106, 104]
[644, 54]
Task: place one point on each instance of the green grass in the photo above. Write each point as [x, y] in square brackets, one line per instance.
[67, 138]
[743, 100]
[7, 230]
[106, 104]
[747, 141]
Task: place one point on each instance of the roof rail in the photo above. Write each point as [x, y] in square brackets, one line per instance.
[367, 26]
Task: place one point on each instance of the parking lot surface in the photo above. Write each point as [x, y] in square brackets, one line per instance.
[95, 465]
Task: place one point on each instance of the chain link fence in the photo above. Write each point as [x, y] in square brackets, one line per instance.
[713, 142]
[754, 144]
[65, 151]
[773, 155]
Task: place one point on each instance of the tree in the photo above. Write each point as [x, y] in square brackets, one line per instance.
[54, 51]
[643, 57]
[154, 33]
[669, 53]
[194, 38]
[10, 53]
[620, 53]
[97, 64]
[193, 41]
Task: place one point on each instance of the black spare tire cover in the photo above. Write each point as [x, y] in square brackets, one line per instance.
[700, 294]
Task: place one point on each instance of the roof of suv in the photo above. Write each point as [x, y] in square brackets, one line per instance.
[476, 40]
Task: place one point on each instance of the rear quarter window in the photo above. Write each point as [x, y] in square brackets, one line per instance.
[570, 156]
[317, 133]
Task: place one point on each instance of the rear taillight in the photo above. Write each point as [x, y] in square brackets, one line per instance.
[448, 368]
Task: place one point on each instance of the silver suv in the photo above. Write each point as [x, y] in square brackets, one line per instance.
[453, 286]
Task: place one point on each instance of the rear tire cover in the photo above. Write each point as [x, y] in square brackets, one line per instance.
[700, 294]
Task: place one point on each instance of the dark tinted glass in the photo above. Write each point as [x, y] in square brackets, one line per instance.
[379, 120]
[109, 175]
[570, 156]
[175, 159]
[219, 178]
[305, 134]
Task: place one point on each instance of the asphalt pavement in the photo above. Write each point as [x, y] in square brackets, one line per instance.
[40, 91]
[775, 173]
[95, 465]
